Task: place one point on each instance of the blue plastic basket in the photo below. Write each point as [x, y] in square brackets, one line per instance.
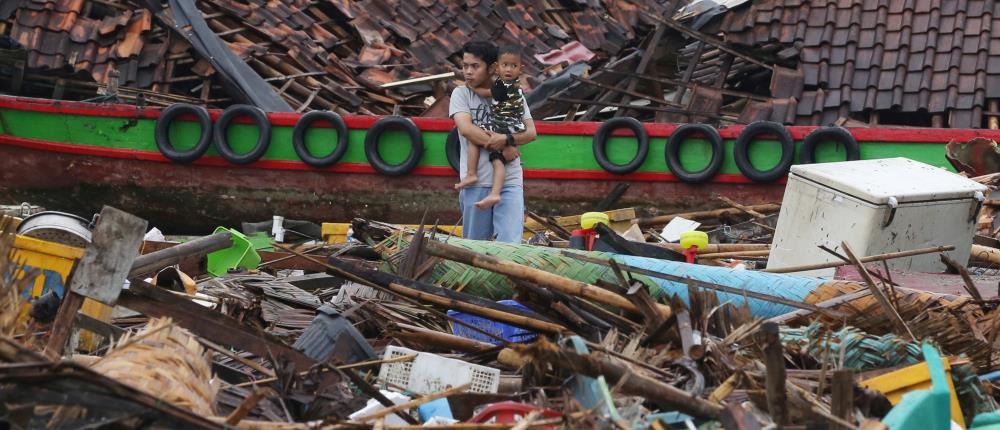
[505, 331]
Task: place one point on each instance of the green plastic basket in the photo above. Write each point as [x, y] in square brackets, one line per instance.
[241, 254]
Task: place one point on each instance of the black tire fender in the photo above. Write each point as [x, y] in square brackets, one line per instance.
[807, 154]
[222, 128]
[299, 138]
[601, 145]
[452, 149]
[741, 152]
[162, 133]
[372, 141]
[673, 151]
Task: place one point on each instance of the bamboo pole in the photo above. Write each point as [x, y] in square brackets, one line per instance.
[540, 277]
[430, 337]
[663, 219]
[492, 314]
[735, 254]
[869, 259]
[985, 254]
[715, 248]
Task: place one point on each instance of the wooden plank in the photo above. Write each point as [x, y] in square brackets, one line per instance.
[100, 273]
[695, 59]
[620, 218]
[216, 327]
[644, 60]
[419, 80]
[719, 44]
[106, 262]
[653, 98]
[612, 197]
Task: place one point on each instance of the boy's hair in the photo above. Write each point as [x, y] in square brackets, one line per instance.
[509, 48]
[481, 49]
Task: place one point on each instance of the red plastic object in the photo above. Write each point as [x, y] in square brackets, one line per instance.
[588, 235]
[509, 413]
[691, 253]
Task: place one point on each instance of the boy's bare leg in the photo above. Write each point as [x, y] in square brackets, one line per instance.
[499, 174]
[471, 176]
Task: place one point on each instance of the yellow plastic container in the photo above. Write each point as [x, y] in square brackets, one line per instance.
[694, 238]
[55, 261]
[590, 219]
[336, 232]
[916, 377]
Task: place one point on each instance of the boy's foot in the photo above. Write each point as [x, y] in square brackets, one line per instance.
[488, 202]
[469, 180]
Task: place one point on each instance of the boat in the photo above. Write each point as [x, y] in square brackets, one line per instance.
[77, 156]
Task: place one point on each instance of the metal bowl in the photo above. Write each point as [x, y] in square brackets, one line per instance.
[58, 227]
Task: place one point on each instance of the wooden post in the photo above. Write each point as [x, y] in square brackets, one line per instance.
[679, 96]
[994, 121]
[774, 360]
[843, 397]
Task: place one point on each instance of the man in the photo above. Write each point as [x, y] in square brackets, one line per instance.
[470, 108]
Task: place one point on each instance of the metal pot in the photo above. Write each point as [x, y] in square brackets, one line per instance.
[58, 227]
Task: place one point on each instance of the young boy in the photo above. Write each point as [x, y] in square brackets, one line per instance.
[506, 118]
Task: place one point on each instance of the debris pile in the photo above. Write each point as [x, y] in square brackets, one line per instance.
[371, 57]
[603, 320]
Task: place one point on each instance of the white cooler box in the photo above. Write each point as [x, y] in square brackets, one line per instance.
[877, 206]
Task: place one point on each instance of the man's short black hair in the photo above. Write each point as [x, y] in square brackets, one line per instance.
[481, 49]
[509, 48]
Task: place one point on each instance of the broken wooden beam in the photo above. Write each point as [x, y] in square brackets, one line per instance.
[630, 382]
[150, 263]
[216, 327]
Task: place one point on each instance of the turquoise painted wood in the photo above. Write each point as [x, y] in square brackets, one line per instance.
[925, 409]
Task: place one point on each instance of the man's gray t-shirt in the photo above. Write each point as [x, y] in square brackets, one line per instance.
[464, 99]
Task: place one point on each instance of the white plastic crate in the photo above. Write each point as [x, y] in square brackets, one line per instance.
[431, 373]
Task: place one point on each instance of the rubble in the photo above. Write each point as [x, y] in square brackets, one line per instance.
[407, 326]
[298, 55]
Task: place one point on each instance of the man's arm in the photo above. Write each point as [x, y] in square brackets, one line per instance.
[528, 135]
[476, 135]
